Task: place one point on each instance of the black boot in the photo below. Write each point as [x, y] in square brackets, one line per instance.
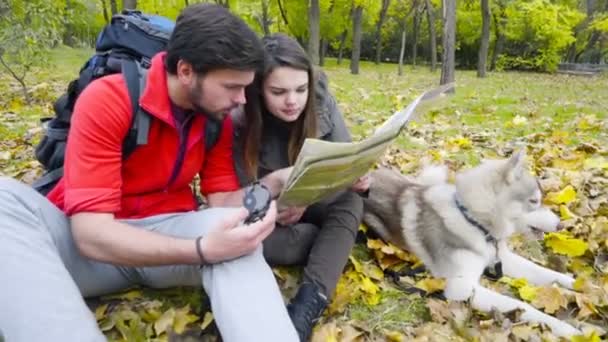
[306, 308]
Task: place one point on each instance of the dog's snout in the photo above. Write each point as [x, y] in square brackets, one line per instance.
[559, 226]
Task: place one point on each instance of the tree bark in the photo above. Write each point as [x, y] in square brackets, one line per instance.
[430, 11]
[448, 63]
[104, 9]
[485, 38]
[341, 48]
[402, 50]
[415, 35]
[323, 52]
[224, 3]
[263, 19]
[356, 54]
[379, 24]
[113, 7]
[314, 27]
[68, 34]
[499, 23]
[129, 4]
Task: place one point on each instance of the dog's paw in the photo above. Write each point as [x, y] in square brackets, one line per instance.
[566, 281]
[565, 330]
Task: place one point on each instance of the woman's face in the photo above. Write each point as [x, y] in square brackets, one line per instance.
[286, 93]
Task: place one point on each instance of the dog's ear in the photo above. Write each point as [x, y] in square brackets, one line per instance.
[515, 166]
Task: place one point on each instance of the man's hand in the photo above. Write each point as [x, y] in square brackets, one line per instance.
[231, 239]
[362, 184]
[290, 215]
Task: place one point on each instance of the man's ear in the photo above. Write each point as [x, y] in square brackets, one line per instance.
[185, 72]
[515, 166]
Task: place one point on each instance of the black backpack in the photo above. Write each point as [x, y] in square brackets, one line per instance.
[126, 46]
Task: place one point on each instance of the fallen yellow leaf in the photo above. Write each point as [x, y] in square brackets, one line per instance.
[164, 322]
[550, 299]
[207, 320]
[596, 163]
[100, 311]
[395, 336]
[566, 245]
[565, 196]
[593, 337]
[565, 213]
[527, 292]
[431, 285]
[183, 317]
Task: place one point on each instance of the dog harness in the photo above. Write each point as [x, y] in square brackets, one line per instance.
[493, 272]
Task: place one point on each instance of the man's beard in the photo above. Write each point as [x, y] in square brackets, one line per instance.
[196, 98]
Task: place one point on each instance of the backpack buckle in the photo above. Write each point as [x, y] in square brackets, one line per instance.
[145, 62]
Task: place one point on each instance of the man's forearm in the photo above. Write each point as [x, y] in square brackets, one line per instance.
[102, 238]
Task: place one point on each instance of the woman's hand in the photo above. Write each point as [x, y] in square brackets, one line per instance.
[362, 184]
[290, 215]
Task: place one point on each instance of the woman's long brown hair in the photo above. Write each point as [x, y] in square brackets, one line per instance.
[280, 51]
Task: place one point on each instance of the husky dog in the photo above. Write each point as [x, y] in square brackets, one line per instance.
[459, 230]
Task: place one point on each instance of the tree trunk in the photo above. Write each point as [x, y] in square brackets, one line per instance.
[356, 54]
[402, 50]
[223, 3]
[104, 9]
[448, 62]
[379, 24]
[129, 4]
[68, 34]
[263, 19]
[113, 7]
[485, 38]
[187, 4]
[324, 44]
[415, 36]
[500, 21]
[500, 41]
[430, 11]
[341, 48]
[314, 27]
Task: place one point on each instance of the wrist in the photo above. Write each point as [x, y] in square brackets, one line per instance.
[200, 251]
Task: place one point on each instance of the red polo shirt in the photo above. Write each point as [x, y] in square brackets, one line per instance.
[96, 179]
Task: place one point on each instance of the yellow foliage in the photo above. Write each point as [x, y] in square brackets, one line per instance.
[550, 299]
[431, 285]
[593, 337]
[207, 320]
[566, 245]
[565, 196]
[565, 213]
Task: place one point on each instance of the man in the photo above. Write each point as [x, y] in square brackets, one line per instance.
[110, 224]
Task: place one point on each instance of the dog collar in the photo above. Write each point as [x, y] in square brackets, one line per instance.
[471, 220]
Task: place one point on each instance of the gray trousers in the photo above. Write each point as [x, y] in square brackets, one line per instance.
[43, 278]
[321, 241]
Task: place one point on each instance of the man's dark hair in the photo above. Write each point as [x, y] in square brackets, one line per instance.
[209, 37]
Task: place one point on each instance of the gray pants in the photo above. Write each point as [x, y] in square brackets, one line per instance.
[43, 278]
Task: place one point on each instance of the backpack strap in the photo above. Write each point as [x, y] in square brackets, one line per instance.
[48, 180]
[212, 133]
[135, 77]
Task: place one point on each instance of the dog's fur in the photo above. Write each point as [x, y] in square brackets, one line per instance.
[421, 215]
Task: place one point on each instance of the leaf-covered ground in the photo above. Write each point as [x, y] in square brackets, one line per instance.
[560, 120]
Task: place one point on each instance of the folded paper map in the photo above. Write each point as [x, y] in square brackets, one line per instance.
[324, 168]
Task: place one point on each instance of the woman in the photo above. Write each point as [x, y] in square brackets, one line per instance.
[287, 104]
